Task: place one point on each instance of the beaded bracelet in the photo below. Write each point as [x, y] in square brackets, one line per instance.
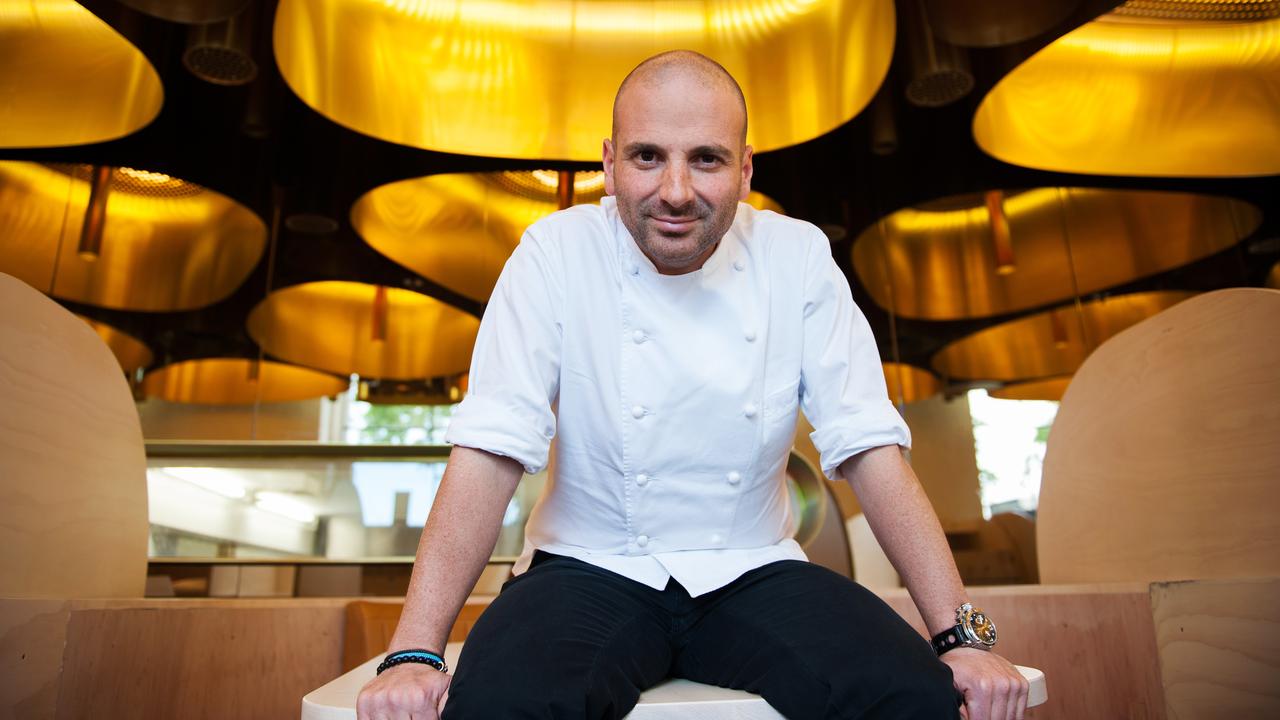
[426, 657]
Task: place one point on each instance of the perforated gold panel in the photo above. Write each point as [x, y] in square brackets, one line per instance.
[536, 80]
[1157, 89]
[459, 229]
[67, 78]
[167, 245]
[332, 326]
[939, 261]
[1048, 344]
[238, 381]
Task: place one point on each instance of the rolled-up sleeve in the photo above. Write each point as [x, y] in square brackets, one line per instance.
[515, 368]
[843, 391]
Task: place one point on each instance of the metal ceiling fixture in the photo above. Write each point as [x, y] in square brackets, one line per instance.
[1159, 89]
[329, 326]
[909, 384]
[55, 53]
[222, 52]
[1048, 344]
[943, 261]
[158, 243]
[539, 85]
[239, 381]
[130, 352]
[1049, 389]
[188, 12]
[940, 72]
[992, 23]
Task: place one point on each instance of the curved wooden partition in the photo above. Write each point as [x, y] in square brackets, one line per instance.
[1164, 460]
[73, 472]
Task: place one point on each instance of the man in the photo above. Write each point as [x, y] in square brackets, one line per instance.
[675, 330]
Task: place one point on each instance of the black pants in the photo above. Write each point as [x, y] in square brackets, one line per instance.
[569, 640]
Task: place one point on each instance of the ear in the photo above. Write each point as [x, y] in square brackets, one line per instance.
[607, 157]
[747, 171]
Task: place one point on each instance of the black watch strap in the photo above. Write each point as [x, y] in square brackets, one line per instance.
[948, 640]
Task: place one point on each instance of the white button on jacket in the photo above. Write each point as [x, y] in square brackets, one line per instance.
[651, 373]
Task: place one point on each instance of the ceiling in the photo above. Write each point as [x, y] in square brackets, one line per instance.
[1176, 163]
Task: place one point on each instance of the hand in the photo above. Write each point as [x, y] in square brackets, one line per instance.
[993, 688]
[410, 690]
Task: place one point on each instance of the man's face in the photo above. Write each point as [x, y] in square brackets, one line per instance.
[678, 168]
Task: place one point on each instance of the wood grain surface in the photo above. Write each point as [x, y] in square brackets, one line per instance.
[1162, 462]
[1219, 647]
[73, 485]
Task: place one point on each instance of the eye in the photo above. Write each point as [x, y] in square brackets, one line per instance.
[709, 159]
[646, 156]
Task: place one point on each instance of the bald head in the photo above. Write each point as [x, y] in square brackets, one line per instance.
[685, 66]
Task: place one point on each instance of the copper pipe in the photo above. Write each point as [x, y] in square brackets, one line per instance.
[95, 214]
[380, 314]
[1000, 235]
[564, 189]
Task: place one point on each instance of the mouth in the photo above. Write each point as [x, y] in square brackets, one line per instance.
[674, 225]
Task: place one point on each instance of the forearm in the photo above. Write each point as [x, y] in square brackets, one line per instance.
[455, 545]
[906, 526]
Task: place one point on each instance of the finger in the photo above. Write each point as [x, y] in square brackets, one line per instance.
[1024, 697]
[999, 708]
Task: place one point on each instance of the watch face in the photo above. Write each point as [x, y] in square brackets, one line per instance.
[981, 627]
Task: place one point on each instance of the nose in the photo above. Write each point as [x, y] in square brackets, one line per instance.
[677, 189]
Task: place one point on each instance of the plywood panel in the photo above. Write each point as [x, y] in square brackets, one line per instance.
[198, 662]
[1162, 463]
[73, 494]
[1094, 643]
[32, 634]
[1219, 645]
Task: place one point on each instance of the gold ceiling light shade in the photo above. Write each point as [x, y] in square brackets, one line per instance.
[329, 325]
[163, 244]
[1051, 343]
[908, 383]
[190, 12]
[513, 79]
[130, 352]
[69, 79]
[1156, 89]
[458, 230]
[1273, 277]
[942, 261]
[238, 381]
[1048, 389]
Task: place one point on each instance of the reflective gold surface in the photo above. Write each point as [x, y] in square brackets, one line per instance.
[130, 352]
[1143, 95]
[523, 79]
[1273, 277]
[938, 261]
[459, 229]
[67, 78]
[328, 325]
[168, 245]
[1050, 389]
[908, 383]
[1050, 343]
[238, 381]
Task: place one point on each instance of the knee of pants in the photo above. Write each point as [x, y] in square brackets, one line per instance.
[914, 695]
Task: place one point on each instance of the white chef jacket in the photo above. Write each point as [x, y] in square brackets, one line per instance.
[672, 398]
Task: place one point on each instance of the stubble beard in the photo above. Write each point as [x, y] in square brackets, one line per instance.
[657, 245]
